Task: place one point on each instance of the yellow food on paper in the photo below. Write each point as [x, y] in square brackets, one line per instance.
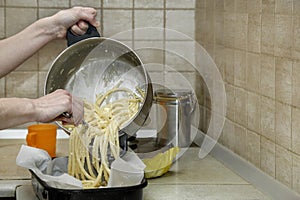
[90, 146]
[160, 164]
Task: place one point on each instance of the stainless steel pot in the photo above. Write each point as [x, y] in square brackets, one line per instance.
[94, 64]
[175, 110]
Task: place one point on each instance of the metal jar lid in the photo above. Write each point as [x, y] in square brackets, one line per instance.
[173, 96]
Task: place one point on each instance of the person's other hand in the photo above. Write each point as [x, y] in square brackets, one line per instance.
[50, 108]
[75, 18]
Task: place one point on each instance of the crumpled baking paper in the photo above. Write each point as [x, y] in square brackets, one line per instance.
[38, 161]
[125, 171]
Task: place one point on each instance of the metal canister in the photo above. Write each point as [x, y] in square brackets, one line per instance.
[174, 115]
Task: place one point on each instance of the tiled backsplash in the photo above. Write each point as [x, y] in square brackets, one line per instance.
[255, 44]
[118, 19]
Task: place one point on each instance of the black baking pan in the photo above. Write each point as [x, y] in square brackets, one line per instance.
[44, 192]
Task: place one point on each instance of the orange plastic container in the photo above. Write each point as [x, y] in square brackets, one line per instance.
[42, 136]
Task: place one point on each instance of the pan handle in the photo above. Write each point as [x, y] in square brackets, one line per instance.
[91, 32]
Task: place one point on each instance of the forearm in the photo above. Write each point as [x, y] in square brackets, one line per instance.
[17, 48]
[16, 111]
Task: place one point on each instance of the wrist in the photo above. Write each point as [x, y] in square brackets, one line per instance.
[49, 29]
[31, 110]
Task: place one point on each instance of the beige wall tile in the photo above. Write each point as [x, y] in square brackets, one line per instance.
[228, 57]
[219, 59]
[210, 48]
[296, 39]
[2, 2]
[267, 33]
[149, 18]
[22, 3]
[22, 84]
[283, 125]
[254, 32]
[296, 7]
[241, 6]
[230, 98]
[267, 156]
[296, 84]
[202, 120]
[240, 146]
[180, 3]
[117, 3]
[210, 36]
[283, 77]
[268, 6]
[45, 12]
[283, 6]
[2, 87]
[283, 166]
[154, 67]
[229, 6]
[240, 64]
[29, 65]
[202, 3]
[151, 52]
[253, 71]
[148, 4]
[182, 21]
[200, 26]
[283, 35]
[90, 3]
[201, 89]
[184, 80]
[267, 76]
[17, 22]
[122, 23]
[177, 56]
[254, 6]
[229, 29]
[253, 112]
[253, 148]
[54, 3]
[2, 24]
[241, 33]
[210, 5]
[228, 136]
[219, 5]
[49, 52]
[157, 78]
[296, 173]
[240, 113]
[296, 130]
[267, 118]
[219, 28]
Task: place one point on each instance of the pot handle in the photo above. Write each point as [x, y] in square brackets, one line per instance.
[91, 32]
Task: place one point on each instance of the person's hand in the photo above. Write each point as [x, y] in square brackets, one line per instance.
[75, 18]
[50, 108]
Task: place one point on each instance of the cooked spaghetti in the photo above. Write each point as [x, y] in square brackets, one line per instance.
[95, 142]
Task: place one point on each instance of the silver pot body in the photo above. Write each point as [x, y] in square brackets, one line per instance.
[174, 113]
[95, 65]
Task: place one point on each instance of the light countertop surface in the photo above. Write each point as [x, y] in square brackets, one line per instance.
[189, 178]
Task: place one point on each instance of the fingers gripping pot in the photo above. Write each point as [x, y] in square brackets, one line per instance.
[93, 64]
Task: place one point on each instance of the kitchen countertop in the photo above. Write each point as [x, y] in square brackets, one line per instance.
[189, 178]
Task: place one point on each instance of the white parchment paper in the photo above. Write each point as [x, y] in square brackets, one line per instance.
[125, 171]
